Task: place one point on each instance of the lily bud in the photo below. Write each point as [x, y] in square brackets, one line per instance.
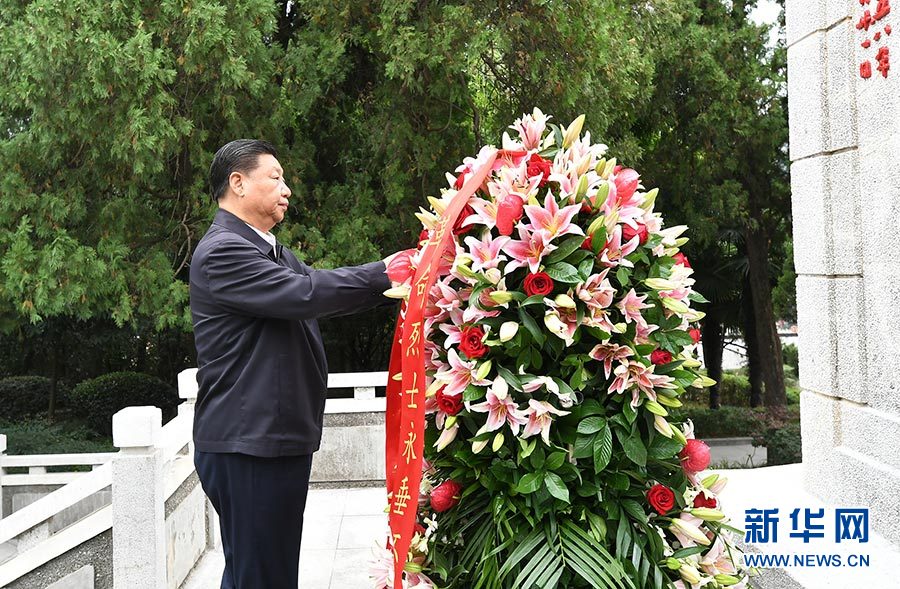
[620, 327]
[581, 190]
[447, 435]
[661, 425]
[690, 362]
[532, 200]
[718, 486]
[493, 275]
[669, 401]
[690, 530]
[649, 199]
[703, 382]
[508, 331]
[412, 567]
[610, 166]
[564, 301]
[689, 574]
[681, 241]
[501, 297]
[660, 284]
[398, 292]
[600, 165]
[676, 434]
[673, 563]
[726, 580]
[710, 480]
[707, 514]
[428, 219]
[438, 205]
[498, 442]
[483, 370]
[675, 305]
[572, 131]
[655, 408]
[477, 447]
[599, 221]
[584, 165]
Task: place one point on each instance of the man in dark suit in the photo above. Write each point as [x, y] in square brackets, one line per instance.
[262, 370]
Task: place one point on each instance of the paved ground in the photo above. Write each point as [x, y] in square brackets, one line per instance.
[342, 526]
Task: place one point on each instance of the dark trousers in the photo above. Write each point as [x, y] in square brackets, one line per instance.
[260, 502]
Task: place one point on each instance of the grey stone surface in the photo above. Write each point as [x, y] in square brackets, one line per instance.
[10, 492]
[80, 510]
[351, 453]
[831, 314]
[83, 578]
[882, 292]
[183, 492]
[826, 214]
[819, 414]
[806, 108]
[878, 98]
[879, 185]
[7, 551]
[865, 430]
[96, 552]
[864, 482]
[841, 73]
[806, 16]
[186, 536]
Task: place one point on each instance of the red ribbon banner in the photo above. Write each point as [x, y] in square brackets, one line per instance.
[405, 416]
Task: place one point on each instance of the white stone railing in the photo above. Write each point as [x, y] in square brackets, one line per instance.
[161, 522]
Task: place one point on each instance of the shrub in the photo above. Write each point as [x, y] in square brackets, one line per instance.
[38, 436]
[734, 391]
[725, 421]
[783, 445]
[98, 399]
[791, 358]
[22, 397]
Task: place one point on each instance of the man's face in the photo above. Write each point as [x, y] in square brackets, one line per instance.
[265, 199]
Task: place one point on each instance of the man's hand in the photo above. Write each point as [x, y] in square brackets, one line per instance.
[399, 267]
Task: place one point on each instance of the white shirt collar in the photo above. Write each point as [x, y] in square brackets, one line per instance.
[267, 236]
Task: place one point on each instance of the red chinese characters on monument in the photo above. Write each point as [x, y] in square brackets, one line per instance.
[867, 21]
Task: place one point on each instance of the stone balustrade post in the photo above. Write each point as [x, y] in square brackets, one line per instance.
[2, 456]
[139, 544]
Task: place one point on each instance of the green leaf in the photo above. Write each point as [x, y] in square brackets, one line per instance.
[532, 300]
[622, 275]
[591, 425]
[602, 449]
[522, 550]
[510, 378]
[634, 448]
[563, 272]
[473, 393]
[634, 509]
[530, 482]
[684, 552]
[585, 268]
[564, 249]
[584, 446]
[532, 327]
[557, 487]
[555, 460]
[662, 448]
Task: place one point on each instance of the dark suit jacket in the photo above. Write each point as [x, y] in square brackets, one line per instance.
[262, 369]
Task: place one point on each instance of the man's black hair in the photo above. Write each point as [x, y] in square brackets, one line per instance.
[240, 155]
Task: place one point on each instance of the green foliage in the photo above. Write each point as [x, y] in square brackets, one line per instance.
[22, 397]
[791, 358]
[98, 399]
[734, 391]
[783, 445]
[37, 436]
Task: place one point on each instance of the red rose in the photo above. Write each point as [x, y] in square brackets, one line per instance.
[509, 211]
[695, 335]
[538, 284]
[661, 498]
[445, 496]
[458, 227]
[471, 344]
[538, 165]
[694, 456]
[660, 357]
[449, 404]
[586, 244]
[701, 500]
[628, 233]
[680, 258]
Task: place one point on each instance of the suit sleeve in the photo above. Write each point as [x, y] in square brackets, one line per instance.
[245, 281]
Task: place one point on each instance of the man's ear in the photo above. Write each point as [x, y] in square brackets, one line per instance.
[236, 183]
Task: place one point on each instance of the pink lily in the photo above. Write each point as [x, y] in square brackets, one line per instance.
[597, 292]
[642, 332]
[500, 408]
[460, 374]
[717, 561]
[453, 328]
[552, 220]
[614, 253]
[528, 250]
[643, 379]
[486, 252]
[631, 307]
[531, 128]
[609, 353]
[485, 212]
[539, 419]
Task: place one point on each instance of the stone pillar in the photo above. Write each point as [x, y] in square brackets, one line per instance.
[139, 544]
[2, 455]
[845, 181]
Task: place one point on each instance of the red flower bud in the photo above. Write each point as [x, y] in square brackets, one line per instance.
[538, 165]
[680, 258]
[695, 335]
[458, 227]
[695, 456]
[626, 183]
[445, 496]
[628, 233]
[701, 500]
[660, 357]
[509, 211]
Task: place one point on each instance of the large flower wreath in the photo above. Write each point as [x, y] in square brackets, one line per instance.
[558, 336]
